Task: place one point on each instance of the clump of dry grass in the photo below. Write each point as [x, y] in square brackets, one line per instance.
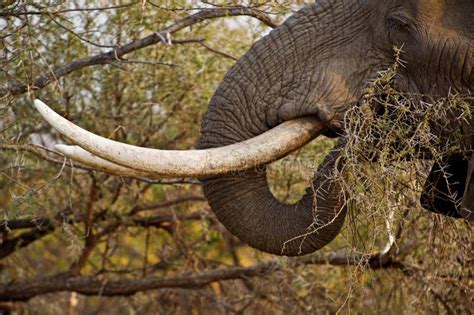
[392, 139]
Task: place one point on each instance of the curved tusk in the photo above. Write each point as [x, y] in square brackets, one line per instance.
[265, 148]
[78, 154]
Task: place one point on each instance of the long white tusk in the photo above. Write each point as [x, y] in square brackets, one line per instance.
[78, 154]
[265, 148]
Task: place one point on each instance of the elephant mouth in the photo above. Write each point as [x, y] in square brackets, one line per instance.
[397, 127]
[447, 187]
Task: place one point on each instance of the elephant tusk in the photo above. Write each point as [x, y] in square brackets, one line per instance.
[262, 149]
[78, 154]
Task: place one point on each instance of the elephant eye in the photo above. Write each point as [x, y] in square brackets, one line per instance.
[399, 28]
[396, 22]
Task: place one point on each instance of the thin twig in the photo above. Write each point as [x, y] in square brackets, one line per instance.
[226, 55]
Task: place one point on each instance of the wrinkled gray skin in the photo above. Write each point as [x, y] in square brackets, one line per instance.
[318, 63]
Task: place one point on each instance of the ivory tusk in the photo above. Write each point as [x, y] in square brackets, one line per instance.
[262, 149]
[78, 154]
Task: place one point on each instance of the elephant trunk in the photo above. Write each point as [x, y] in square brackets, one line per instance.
[267, 86]
[244, 204]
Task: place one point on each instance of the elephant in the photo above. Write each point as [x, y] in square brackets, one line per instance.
[311, 70]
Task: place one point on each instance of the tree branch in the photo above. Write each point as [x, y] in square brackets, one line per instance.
[373, 261]
[24, 290]
[42, 226]
[5, 225]
[115, 54]
[166, 203]
[10, 245]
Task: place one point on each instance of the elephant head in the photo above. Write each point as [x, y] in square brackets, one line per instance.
[315, 67]
[317, 63]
